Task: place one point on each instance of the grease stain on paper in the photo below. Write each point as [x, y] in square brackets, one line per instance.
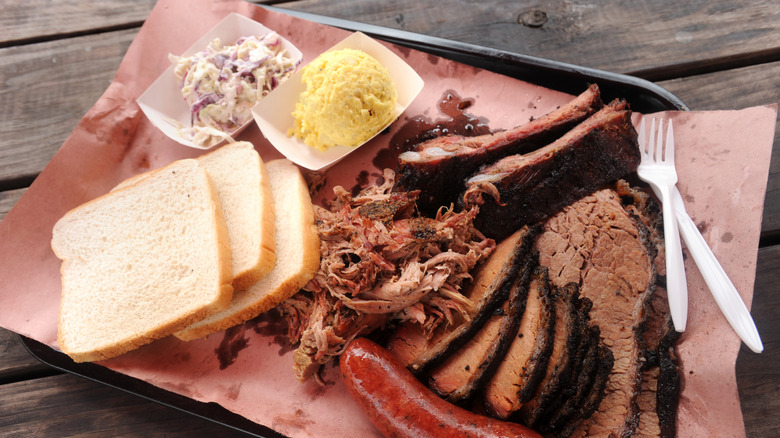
[233, 391]
[182, 357]
[232, 343]
[298, 420]
[273, 326]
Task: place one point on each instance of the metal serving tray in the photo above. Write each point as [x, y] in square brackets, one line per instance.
[643, 96]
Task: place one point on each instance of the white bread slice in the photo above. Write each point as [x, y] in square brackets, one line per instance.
[141, 262]
[297, 255]
[241, 181]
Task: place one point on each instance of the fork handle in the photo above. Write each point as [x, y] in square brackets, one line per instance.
[726, 295]
[676, 285]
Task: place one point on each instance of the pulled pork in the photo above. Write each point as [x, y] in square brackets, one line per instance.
[380, 262]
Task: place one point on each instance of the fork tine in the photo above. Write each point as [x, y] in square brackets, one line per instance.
[651, 146]
[669, 144]
[660, 139]
[641, 135]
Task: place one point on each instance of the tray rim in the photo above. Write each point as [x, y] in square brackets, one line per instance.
[469, 53]
[643, 96]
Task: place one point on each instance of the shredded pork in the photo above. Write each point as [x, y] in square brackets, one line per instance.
[380, 262]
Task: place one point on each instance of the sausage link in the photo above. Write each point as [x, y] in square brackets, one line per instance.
[400, 406]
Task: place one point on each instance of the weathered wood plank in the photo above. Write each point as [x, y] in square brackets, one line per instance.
[8, 199]
[42, 20]
[110, 411]
[36, 20]
[622, 36]
[614, 35]
[66, 405]
[16, 363]
[758, 376]
[46, 89]
[736, 89]
[52, 75]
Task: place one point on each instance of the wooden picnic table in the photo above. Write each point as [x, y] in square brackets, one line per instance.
[57, 58]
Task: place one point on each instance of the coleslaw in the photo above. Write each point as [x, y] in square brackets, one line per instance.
[221, 84]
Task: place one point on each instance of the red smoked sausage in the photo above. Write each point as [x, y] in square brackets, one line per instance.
[400, 406]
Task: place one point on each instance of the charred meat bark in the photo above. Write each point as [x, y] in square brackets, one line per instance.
[570, 405]
[380, 263]
[567, 333]
[523, 367]
[526, 189]
[661, 383]
[669, 384]
[409, 340]
[517, 265]
[596, 243]
[660, 386]
[595, 395]
[438, 167]
[459, 377]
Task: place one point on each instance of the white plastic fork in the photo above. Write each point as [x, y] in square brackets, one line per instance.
[657, 169]
[723, 290]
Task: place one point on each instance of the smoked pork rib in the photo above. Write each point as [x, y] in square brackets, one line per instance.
[526, 189]
[596, 243]
[439, 167]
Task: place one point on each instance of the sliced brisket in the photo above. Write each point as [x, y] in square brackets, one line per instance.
[595, 395]
[572, 401]
[661, 379]
[661, 383]
[525, 363]
[410, 341]
[526, 189]
[467, 370]
[438, 167]
[569, 328]
[518, 264]
[596, 243]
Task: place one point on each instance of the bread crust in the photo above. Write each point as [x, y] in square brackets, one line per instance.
[298, 255]
[248, 266]
[83, 332]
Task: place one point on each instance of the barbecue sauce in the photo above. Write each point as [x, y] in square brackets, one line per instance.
[420, 128]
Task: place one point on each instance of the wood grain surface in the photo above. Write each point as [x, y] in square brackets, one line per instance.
[59, 57]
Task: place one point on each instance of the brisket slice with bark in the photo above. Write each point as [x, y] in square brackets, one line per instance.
[519, 264]
[528, 309]
[526, 189]
[661, 383]
[410, 341]
[525, 364]
[570, 326]
[596, 243]
[438, 167]
[564, 402]
[572, 400]
[595, 395]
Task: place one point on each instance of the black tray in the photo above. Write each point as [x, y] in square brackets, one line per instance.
[643, 96]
